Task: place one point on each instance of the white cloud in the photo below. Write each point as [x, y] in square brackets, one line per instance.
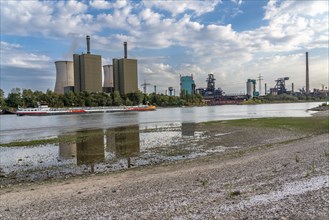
[23, 69]
[48, 18]
[17, 57]
[238, 2]
[20, 17]
[162, 75]
[293, 27]
[181, 7]
[100, 4]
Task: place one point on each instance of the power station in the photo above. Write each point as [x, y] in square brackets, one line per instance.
[87, 71]
[64, 76]
[85, 74]
[125, 76]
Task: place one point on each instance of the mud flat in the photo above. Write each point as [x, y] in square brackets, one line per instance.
[278, 170]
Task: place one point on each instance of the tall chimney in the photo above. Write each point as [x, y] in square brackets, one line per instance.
[125, 49]
[265, 88]
[292, 88]
[88, 44]
[307, 76]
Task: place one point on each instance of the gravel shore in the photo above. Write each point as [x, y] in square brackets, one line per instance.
[285, 179]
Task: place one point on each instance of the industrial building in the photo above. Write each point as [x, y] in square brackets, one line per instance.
[187, 84]
[215, 96]
[280, 86]
[171, 91]
[210, 92]
[125, 77]
[64, 76]
[108, 85]
[251, 88]
[87, 71]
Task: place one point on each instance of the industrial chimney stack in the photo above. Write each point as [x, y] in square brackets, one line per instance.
[292, 87]
[307, 76]
[125, 50]
[88, 44]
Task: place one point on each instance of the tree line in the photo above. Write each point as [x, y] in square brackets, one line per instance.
[27, 98]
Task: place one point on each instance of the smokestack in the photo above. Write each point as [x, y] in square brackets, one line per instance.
[265, 88]
[307, 76]
[292, 88]
[125, 49]
[88, 44]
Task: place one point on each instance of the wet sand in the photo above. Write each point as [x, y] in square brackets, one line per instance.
[285, 178]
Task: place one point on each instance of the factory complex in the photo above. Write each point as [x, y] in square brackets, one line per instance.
[216, 96]
[84, 73]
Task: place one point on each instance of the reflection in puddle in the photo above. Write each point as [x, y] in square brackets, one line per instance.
[103, 150]
[90, 150]
[123, 142]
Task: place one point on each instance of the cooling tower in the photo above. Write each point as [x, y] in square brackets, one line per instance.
[64, 75]
[108, 76]
[250, 88]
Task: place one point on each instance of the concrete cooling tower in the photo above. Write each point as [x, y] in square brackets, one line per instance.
[64, 75]
[108, 76]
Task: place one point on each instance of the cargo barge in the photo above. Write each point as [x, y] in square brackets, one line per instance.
[44, 110]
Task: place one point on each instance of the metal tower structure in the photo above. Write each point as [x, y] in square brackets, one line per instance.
[280, 86]
[211, 83]
[145, 86]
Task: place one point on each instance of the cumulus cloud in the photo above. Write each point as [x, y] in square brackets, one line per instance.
[16, 57]
[100, 4]
[155, 27]
[23, 69]
[181, 7]
[48, 18]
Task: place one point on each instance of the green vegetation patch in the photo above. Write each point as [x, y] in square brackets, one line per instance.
[315, 125]
[70, 138]
[30, 143]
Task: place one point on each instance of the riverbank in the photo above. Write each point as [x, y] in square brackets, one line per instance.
[276, 168]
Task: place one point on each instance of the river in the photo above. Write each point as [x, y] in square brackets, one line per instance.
[15, 128]
[112, 141]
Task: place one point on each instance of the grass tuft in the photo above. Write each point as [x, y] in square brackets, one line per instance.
[297, 159]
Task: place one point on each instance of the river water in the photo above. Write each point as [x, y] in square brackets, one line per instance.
[118, 140]
[15, 128]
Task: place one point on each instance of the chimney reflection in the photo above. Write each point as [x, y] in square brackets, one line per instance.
[91, 149]
[188, 129]
[67, 150]
[124, 142]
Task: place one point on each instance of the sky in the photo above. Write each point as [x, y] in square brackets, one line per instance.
[235, 40]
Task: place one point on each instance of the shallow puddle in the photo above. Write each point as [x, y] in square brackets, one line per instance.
[104, 150]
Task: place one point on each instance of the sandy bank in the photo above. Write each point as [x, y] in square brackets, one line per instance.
[273, 181]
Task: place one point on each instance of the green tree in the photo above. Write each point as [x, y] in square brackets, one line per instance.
[28, 99]
[117, 100]
[128, 102]
[2, 99]
[70, 99]
[14, 98]
[102, 99]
